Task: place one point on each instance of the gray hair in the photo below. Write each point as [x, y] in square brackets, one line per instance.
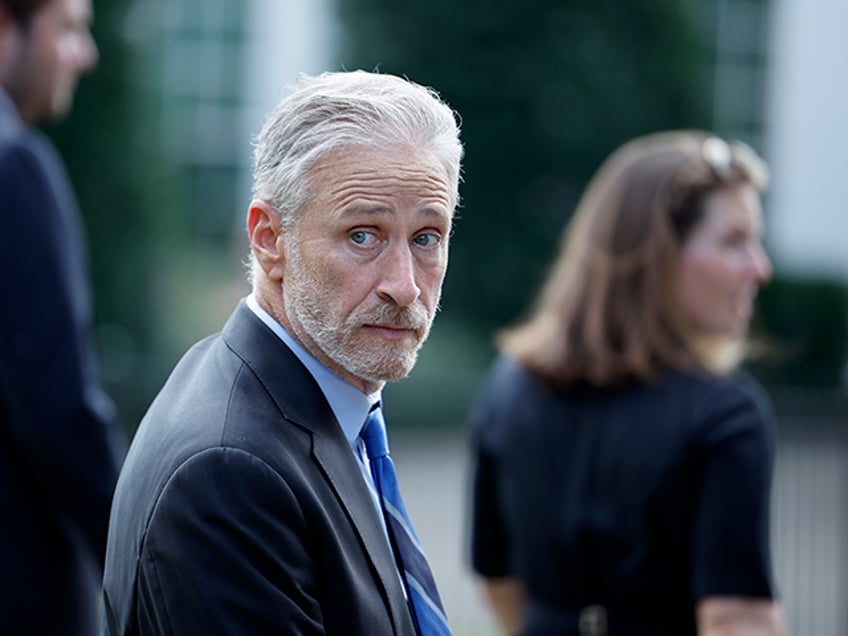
[347, 110]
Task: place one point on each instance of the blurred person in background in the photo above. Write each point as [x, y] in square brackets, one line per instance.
[58, 453]
[254, 499]
[622, 467]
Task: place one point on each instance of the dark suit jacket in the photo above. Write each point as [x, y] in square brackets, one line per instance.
[58, 463]
[241, 508]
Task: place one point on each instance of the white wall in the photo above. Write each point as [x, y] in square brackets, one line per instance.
[807, 137]
[284, 38]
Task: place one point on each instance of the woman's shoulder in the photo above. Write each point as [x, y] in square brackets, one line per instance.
[505, 371]
[507, 379]
[719, 389]
[724, 405]
[507, 391]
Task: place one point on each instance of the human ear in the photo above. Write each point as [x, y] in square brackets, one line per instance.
[264, 229]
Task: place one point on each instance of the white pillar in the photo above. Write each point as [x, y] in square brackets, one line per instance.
[283, 38]
[807, 137]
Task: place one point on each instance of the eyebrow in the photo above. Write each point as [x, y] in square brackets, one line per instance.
[385, 211]
[367, 210]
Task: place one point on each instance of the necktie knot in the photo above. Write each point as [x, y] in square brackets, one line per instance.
[374, 435]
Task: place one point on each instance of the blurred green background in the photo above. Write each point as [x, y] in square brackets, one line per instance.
[159, 155]
[158, 147]
[545, 90]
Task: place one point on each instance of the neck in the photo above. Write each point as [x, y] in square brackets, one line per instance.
[273, 304]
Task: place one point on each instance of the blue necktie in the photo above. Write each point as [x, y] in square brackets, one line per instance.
[422, 595]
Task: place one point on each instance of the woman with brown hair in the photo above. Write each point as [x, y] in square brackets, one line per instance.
[623, 469]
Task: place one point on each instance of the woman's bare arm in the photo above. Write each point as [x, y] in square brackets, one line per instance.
[507, 599]
[738, 616]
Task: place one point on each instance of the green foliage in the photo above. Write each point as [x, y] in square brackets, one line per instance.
[804, 323]
[545, 91]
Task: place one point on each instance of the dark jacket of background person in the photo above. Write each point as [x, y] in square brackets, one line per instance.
[58, 457]
[251, 425]
[622, 470]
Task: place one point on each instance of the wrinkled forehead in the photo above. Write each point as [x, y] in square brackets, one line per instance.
[397, 169]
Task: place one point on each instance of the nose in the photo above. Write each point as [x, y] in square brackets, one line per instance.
[397, 281]
[761, 264]
[85, 52]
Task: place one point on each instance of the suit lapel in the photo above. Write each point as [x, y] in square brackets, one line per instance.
[300, 400]
[343, 473]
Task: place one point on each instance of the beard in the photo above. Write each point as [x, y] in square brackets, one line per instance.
[321, 326]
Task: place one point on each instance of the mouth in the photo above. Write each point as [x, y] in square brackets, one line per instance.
[745, 306]
[392, 332]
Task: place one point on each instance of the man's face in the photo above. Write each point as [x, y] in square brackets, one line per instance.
[50, 52]
[365, 262]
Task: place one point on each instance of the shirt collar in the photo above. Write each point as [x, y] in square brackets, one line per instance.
[350, 405]
[10, 119]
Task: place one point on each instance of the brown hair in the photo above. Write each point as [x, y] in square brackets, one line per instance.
[608, 310]
[23, 10]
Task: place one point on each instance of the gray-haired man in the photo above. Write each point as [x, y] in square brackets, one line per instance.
[248, 502]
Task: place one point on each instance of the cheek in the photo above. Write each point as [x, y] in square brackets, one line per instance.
[695, 286]
[345, 286]
[430, 281]
[704, 289]
[51, 47]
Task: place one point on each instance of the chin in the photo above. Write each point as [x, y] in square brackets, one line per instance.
[392, 371]
[720, 354]
[53, 115]
[61, 105]
[737, 332]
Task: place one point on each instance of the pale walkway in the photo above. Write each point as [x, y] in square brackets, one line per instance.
[810, 526]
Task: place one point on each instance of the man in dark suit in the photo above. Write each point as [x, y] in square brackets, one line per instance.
[58, 463]
[246, 504]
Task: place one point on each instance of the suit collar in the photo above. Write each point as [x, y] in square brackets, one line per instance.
[10, 121]
[300, 401]
[350, 405]
[294, 391]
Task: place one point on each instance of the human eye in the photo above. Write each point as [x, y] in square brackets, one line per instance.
[736, 240]
[427, 239]
[363, 238]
